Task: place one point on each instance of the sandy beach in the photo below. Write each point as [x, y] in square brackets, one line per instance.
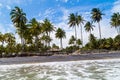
[41, 59]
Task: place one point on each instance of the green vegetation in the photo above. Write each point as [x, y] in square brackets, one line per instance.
[35, 36]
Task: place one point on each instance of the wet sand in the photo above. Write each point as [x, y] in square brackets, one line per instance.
[41, 59]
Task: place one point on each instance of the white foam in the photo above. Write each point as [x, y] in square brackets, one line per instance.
[69, 68]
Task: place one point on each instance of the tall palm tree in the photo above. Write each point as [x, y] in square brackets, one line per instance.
[60, 34]
[89, 27]
[73, 22]
[19, 20]
[47, 28]
[96, 17]
[35, 30]
[115, 21]
[80, 21]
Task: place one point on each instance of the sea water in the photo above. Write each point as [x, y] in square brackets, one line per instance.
[74, 70]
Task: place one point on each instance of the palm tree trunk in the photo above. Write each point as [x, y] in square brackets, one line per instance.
[90, 31]
[61, 43]
[49, 41]
[81, 35]
[100, 35]
[75, 33]
[99, 30]
[46, 41]
[36, 43]
[118, 30]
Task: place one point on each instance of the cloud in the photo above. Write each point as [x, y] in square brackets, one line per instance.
[116, 6]
[63, 0]
[49, 13]
[1, 5]
[8, 7]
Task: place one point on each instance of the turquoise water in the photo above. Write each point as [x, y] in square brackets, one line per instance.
[74, 70]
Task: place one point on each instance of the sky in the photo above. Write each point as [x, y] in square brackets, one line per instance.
[57, 11]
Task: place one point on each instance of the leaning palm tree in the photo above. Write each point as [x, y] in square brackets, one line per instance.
[60, 34]
[96, 17]
[19, 20]
[80, 21]
[89, 27]
[115, 21]
[72, 22]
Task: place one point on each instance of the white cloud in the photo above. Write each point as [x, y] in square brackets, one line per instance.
[65, 14]
[65, 0]
[116, 6]
[1, 5]
[8, 7]
[49, 13]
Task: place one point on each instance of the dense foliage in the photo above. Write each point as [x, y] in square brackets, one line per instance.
[36, 39]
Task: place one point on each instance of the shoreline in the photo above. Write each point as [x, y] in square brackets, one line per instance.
[62, 58]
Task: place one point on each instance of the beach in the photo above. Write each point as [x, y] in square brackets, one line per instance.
[60, 58]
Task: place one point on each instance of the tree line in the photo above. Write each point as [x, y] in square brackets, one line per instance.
[36, 36]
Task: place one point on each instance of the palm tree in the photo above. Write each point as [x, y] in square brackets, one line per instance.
[115, 21]
[72, 40]
[96, 17]
[80, 21]
[35, 30]
[46, 39]
[92, 41]
[89, 27]
[79, 42]
[47, 28]
[117, 42]
[60, 34]
[10, 40]
[73, 22]
[19, 20]
[2, 38]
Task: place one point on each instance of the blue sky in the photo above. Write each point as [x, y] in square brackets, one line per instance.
[58, 11]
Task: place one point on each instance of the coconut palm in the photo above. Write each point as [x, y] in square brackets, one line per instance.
[47, 28]
[10, 40]
[79, 42]
[46, 39]
[72, 40]
[35, 30]
[73, 22]
[19, 20]
[92, 41]
[80, 21]
[2, 38]
[115, 21]
[60, 34]
[89, 27]
[117, 42]
[96, 17]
